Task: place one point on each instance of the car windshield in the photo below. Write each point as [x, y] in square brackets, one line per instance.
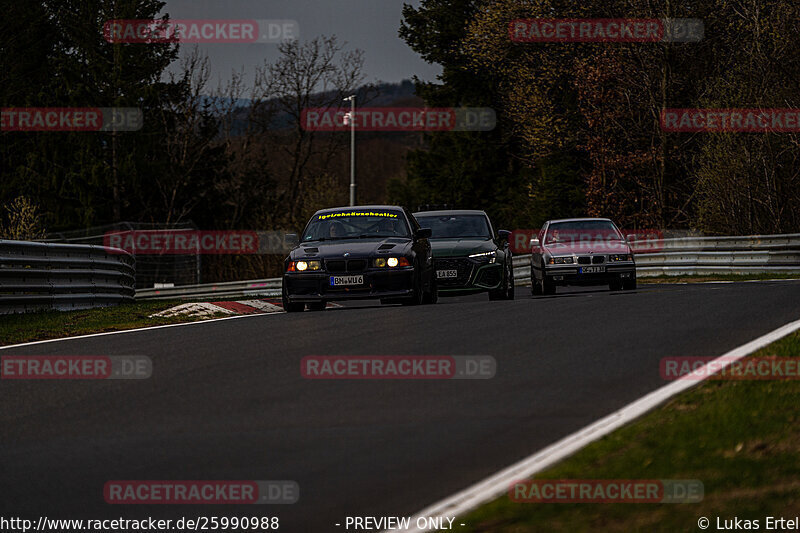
[581, 231]
[456, 226]
[355, 224]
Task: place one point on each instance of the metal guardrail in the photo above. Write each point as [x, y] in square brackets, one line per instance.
[38, 276]
[756, 254]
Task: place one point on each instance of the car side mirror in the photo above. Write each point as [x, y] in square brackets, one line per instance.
[504, 234]
[423, 233]
[534, 244]
[291, 240]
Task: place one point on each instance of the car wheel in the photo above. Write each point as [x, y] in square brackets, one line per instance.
[432, 296]
[317, 306]
[615, 285]
[502, 292]
[629, 284]
[417, 294]
[548, 285]
[288, 306]
[536, 289]
[510, 289]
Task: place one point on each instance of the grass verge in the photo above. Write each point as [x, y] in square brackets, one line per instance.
[740, 438]
[28, 327]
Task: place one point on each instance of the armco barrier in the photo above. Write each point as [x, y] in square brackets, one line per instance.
[39, 276]
[756, 254]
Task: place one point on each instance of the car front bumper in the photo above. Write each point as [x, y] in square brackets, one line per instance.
[473, 275]
[307, 287]
[570, 274]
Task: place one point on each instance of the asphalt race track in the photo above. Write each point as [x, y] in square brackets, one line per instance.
[227, 401]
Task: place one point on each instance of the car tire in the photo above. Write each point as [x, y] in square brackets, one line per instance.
[548, 285]
[536, 289]
[615, 285]
[417, 294]
[504, 292]
[288, 306]
[510, 289]
[317, 306]
[629, 284]
[432, 296]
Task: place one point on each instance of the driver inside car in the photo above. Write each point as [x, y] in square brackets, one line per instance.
[386, 227]
[336, 229]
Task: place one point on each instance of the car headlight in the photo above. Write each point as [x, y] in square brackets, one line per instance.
[391, 262]
[491, 256]
[302, 266]
[565, 260]
[619, 257]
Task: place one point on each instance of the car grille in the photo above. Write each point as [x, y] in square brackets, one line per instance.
[462, 266]
[584, 260]
[597, 259]
[336, 266]
[357, 265]
[340, 265]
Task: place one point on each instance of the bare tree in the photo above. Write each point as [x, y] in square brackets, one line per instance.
[317, 73]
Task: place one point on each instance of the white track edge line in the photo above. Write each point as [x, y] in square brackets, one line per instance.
[497, 484]
[137, 329]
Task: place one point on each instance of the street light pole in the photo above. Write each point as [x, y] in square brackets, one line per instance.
[352, 99]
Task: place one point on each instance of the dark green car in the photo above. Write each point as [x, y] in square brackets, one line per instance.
[467, 256]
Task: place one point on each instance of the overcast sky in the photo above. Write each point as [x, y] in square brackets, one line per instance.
[370, 25]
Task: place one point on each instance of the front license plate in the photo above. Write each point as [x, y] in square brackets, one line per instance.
[337, 281]
[592, 270]
[444, 274]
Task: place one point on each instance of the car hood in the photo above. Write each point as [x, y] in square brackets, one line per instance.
[596, 247]
[461, 247]
[354, 247]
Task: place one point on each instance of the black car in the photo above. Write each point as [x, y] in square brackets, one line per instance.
[349, 253]
[468, 257]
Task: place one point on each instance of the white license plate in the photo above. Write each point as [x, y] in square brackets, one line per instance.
[346, 280]
[592, 270]
[444, 274]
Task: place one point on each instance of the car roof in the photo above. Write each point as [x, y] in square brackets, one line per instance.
[579, 219]
[450, 212]
[359, 208]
